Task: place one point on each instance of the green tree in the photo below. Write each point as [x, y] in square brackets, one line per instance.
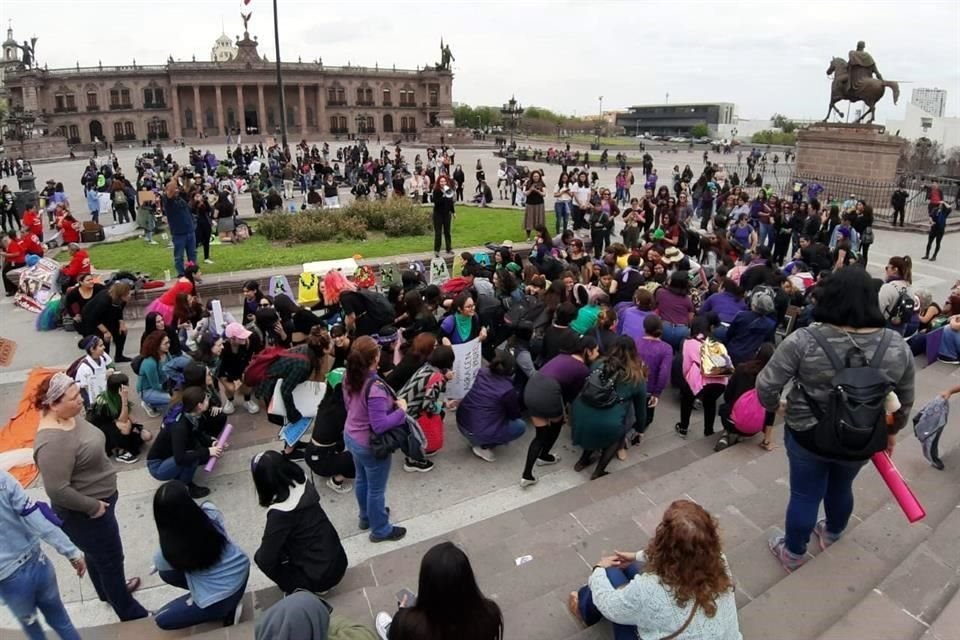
[700, 130]
[783, 123]
[768, 136]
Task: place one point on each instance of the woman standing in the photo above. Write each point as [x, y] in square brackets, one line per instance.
[599, 414]
[443, 213]
[225, 213]
[195, 554]
[679, 586]
[371, 409]
[694, 384]
[28, 581]
[300, 548]
[546, 396]
[203, 213]
[82, 486]
[534, 214]
[562, 203]
[864, 227]
[850, 323]
[458, 179]
[103, 316]
[449, 603]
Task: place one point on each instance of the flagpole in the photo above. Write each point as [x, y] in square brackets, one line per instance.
[283, 105]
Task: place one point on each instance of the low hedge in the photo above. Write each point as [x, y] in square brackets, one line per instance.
[395, 217]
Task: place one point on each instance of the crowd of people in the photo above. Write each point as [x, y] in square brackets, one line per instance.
[722, 295]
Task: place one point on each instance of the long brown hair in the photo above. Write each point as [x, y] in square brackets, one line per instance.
[622, 359]
[685, 553]
[151, 345]
[904, 266]
[363, 353]
[318, 343]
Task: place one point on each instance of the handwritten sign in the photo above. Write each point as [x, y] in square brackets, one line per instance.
[466, 365]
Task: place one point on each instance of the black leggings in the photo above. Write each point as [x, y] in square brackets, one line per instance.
[606, 455]
[441, 224]
[203, 239]
[935, 235]
[543, 441]
[708, 396]
[600, 238]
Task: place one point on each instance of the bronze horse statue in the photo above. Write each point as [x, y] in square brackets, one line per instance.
[869, 91]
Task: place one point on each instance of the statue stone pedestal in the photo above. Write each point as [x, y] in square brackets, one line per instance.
[859, 159]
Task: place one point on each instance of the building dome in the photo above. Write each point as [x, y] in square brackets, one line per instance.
[223, 49]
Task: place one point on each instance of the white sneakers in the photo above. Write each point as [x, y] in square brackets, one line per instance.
[382, 623]
[339, 487]
[151, 413]
[484, 454]
[251, 407]
[208, 261]
[228, 407]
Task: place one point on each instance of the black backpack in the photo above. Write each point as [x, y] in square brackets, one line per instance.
[904, 308]
[379, 309]
[853, 423]
[599, 390]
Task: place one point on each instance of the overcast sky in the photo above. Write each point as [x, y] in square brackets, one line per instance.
[765, 56]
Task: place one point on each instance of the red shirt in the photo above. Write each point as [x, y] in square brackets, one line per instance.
[32, 221]
[15, 248]
[79, 264]
[31, 244]
[69, 231]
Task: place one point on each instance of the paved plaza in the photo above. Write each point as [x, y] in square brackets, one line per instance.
[886, 580]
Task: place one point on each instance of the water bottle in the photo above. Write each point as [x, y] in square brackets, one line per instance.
[166, 275]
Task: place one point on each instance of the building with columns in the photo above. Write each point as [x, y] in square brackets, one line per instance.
[190, 100]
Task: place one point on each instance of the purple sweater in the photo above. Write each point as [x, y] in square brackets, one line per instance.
[658, 356]
[725, 305]
[377, 411]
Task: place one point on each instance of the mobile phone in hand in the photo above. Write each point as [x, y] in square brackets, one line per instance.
[407, 598]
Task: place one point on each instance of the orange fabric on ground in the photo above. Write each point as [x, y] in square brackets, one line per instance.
[20, 431]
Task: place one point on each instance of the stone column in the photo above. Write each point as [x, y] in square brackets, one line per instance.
[303, 110]
[220, 131]
[262, 116]
[321, 110]
[241, 120]
[197, 113]
[175, 103]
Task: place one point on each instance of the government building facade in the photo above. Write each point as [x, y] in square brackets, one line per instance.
[236, 92]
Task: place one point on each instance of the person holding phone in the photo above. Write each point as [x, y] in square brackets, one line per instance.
[176, 208]
[450, 603]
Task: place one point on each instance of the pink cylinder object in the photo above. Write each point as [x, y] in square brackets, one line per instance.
[898, 487]
[222, 441]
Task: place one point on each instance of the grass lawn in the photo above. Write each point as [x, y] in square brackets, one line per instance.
[473, 226]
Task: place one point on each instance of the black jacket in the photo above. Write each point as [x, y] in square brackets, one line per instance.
[183, 441]
[300, 548]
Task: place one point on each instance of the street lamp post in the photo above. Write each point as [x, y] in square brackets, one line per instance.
[512, 111]
[283, 106]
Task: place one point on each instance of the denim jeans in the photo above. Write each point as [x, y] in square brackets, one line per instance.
[370, 487]
[183, 612]
[34, 586]
[513, 430]
[767, 235]
[815, 479]
[949, 344]
[562, 210]
[184, 243]
[589, 613]
[99, 539]
[168, 469]
[675, 334]
[156, 399]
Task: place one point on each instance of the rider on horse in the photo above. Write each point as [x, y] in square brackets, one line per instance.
[860, 67]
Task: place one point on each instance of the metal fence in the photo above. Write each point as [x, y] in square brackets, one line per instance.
[781, 177]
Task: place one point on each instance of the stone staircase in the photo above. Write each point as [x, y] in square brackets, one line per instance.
[885, 579]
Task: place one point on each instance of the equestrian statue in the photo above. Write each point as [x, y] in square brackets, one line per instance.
[853, 80]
